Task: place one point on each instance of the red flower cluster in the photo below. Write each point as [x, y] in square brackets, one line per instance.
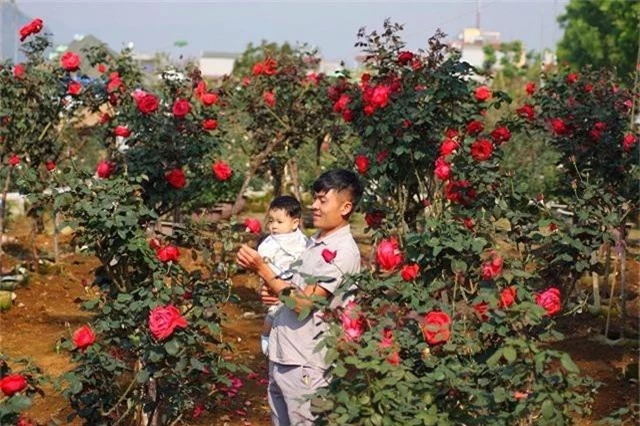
[268, 67]
[167, 254]
[459, 191]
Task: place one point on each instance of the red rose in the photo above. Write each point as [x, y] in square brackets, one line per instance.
[341, 103]
[483, 93]
[347, 115]
[507, 297]
[104, 169]
[481, 149]
[410, 272]
[374, 219]
[258, 68]
[406, 123]
[492, 269]
[329, 255]
[482, 310]
[436, 327]
[588, 88]
[14, 160]
[12, 383]
[629, 141]
[550, 300]
[559, 127]
[572, 78]
[104, 118]
[84, 337]
[74, 88]
[102, 68]
[362, 163]
[405, 57]
[18, 71]
[382, 155]
[530, 88]
[209, 124]
[24, 421]
[443, 169]
[451, 133]
[365, 77]
[50, 165]
[154, 243]
[168, 254]
[164, 320]
[209, 99]
[369, 110]
[221, 170]
[122, 131]
[201, 89]
[352, 322]
[33, 27]
[380, 96]
[176, 178]
[253, 225]
[70, 61]
[246, 81]
[269, 67]
[147, 103]
[388, 254]
[500, 134]
[468, 223]
[114, 82]
[526, 111]
[181, 108]
[474, 127]
[269, 99]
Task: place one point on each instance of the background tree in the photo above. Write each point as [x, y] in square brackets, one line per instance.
[601, 33]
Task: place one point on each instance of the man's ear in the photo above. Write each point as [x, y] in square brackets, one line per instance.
[347, 208]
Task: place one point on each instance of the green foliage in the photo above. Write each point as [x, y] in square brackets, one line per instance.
[601, 33]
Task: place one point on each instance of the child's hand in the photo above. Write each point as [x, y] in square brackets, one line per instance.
[267, 296]
[248, 258]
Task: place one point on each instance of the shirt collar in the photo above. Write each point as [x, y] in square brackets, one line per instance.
[337, 234]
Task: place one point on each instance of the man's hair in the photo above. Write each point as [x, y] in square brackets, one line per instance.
[340, 180]
[289, 204]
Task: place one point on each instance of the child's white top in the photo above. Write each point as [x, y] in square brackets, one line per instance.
[281, 250]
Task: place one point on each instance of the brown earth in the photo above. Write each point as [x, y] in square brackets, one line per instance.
[48, 309]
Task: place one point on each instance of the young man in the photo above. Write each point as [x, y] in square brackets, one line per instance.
[296, 366]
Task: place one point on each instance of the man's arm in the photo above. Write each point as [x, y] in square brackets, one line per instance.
[250, 259]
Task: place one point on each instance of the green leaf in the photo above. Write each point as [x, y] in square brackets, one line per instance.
[172, 347]
[509, 353]
[547, 409]
[142, 376]
[568, 364]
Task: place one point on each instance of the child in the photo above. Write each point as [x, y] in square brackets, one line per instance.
[281, 248]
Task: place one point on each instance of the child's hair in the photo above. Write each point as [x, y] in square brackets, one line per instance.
[289, 204]
[340, 180]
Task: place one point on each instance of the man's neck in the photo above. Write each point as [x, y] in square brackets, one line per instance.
[323, 233]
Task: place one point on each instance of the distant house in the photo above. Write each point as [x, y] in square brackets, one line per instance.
[11, 20]
[217, 64]
[471, 43]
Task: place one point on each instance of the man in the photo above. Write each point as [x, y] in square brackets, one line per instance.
[296, 365]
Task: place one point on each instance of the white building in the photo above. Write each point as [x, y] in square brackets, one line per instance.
[217, 64]
[472, 41]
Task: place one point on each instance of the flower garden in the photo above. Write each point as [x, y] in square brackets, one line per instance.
[480, 301]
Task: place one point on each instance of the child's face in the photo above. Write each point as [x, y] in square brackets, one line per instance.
[280, 222]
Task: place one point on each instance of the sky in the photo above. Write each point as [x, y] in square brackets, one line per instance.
[155, 25]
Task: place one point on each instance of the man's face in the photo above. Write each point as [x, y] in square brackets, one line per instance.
[329, 209]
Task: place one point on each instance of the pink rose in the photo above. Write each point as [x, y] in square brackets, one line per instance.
[329, 255]
[388, 254]
[164, 320]
[550, 300]
[352, 322]
[443, 169]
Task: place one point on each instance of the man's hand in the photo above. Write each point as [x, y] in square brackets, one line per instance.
[249, 259]
[267, 296]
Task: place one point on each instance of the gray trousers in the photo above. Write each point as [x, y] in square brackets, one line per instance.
[289, 389]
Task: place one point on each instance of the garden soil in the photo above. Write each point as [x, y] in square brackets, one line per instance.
[47, 309]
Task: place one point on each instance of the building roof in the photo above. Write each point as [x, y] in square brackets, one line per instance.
[225, 55]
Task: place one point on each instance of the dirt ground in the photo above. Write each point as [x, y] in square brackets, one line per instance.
[48, 309]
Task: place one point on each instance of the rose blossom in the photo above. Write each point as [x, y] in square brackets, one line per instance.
[74, 88]
[341, 103]
[18, 71]
[104, 169]
[629, 141]
[388, 254]
[550, 301]
[33, 27]
[530, 88]
[14, 160]
[164, 320]
[269, 99]
[410, 272]
[181, 108]
[507, 297]
[12, 384]
[168, 253]
[50, 166]
[209, 124]
[572, 78]
[374, 219]
[474, 127]
[492, 269]
[362, 163]
[70, 61]
[329, 255]
[84, 337]
[209, 99]
[442, 169]
[176, 178]
[147, 103]
[559, 127]
[347, 115]
[405, 57]
[481, 149]
[526, 111]
[483, 93]
[222, 170]
[436, 327]
[352, 322]
[500, 134]
[122, 131]
[253, 225]
[482, 309]
[448, 146]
